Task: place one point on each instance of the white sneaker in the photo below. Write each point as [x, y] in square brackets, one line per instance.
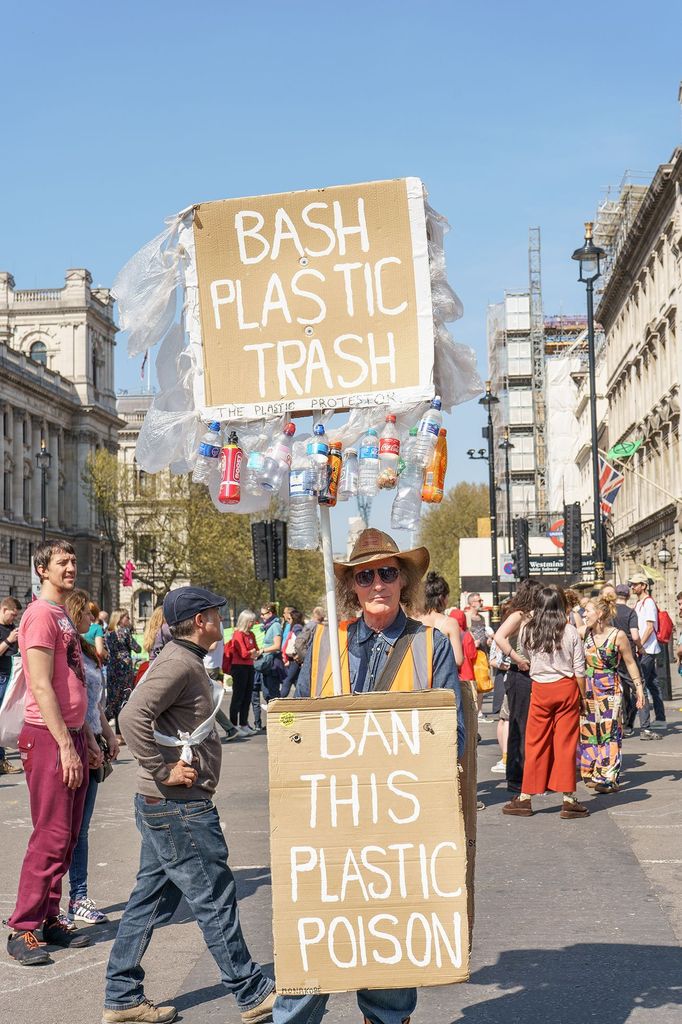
[249, 730]
[484, 718]
[500, 768]
[242, 730]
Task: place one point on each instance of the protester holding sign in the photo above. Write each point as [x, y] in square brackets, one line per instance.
[381, 650]
[183, 848]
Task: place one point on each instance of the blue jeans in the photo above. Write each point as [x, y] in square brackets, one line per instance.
[648, 666]
[380, 1006]
[4, 680]
[255, 700]
[78, 871]
[183, 854]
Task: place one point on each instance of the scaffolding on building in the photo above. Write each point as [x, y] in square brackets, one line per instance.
[537, 343]
[615, 216]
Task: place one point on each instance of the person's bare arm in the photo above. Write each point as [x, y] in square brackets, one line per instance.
[510, 626]
[40, 665]
[450, 627]
[109, 735]
[95, 755]
[101, 648]
[276, 645]
[631, 665]
[648, 630]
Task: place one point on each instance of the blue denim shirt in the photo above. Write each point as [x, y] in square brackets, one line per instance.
[367, 652]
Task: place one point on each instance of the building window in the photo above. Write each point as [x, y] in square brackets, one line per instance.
[7, 489]
[94, 367]
[523, 499]
[522, 455]
[520, 405]
[144, 548]
[519, 359]
[146, 484]
[11, 557]
[5, 423]
[144, 604]
[27, 495]
[38, 352]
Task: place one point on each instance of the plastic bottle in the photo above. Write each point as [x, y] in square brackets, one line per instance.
[251, 473]
[434, 477]
[208, 454]
[303, 531]
[389, 454]
[368, 464]
[407, 504]
[329, 493]
[348, 481]
[229, 491]
[427, 432]
[277, 460]
[317, 451]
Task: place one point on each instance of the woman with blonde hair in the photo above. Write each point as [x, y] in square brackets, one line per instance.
[120, 643]
[601, 726]
[156, 621]
[244, 651]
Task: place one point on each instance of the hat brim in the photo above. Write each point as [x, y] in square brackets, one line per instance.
[418, 558]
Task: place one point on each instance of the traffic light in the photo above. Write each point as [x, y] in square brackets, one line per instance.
[269, 550]
[573, 553]
[520, 554]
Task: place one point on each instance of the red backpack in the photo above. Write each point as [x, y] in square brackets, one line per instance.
[665, 629]
[227, 656]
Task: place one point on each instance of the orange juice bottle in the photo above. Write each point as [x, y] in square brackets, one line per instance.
[434, 477]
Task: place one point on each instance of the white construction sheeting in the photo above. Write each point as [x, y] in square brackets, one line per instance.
[561, 394]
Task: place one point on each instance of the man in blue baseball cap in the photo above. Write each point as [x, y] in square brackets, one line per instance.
[183, 849]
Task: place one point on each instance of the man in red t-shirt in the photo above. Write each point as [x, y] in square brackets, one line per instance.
[54, 751]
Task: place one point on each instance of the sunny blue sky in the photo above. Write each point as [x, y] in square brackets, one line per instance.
[514, 114]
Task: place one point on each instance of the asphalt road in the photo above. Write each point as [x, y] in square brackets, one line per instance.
[575, 920]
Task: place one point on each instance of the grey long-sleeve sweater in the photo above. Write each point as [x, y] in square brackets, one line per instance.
[175, 694]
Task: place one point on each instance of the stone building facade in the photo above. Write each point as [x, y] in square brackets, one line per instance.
[639, 311]
[57, 385]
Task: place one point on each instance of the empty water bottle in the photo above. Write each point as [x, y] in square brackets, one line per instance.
[348, 482]
[277, 460]
[317, 451]
[406, 508]
[368, 464]
[208, 454]
[303, 532]
[427, 432]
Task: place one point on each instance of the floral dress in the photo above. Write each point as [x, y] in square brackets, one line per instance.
[120, 644]
[601, 731]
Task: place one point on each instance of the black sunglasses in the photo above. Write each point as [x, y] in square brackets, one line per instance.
[387, 574]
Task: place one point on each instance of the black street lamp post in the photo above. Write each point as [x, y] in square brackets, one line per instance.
[488, 401]
[590, 257]
[43, 459]
[506, 447]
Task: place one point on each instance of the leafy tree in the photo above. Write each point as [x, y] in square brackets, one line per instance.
[443, 525]
[171, 530]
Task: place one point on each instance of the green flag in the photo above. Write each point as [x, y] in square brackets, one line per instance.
[624, 449]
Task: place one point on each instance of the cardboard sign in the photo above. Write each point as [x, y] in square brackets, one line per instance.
[311, 300]
[367, 843]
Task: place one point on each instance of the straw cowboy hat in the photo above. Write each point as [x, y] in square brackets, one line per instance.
[375, 546]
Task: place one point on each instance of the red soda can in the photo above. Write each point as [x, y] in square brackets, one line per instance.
[229, 491]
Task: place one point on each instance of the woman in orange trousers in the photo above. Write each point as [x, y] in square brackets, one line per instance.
[557, 671]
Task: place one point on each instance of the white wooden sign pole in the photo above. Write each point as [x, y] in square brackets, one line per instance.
[330, 583]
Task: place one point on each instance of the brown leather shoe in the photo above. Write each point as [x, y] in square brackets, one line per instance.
[520, 808]
[572, 809]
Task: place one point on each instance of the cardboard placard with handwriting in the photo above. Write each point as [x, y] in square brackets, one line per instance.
[367, 843]
[311, 300]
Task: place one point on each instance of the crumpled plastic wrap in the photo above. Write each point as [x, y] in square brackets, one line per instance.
[148, 290]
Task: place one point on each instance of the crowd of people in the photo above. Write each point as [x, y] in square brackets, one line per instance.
[571, 677]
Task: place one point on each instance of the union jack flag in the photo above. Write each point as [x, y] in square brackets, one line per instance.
[610, 483]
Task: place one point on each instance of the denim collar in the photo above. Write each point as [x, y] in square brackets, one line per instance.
[390, 633]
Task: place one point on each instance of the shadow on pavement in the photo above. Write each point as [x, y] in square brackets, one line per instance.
[250, 880]
[606, 982]
[210, 992]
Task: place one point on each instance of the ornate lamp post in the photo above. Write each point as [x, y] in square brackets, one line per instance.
[43, 459]
[590, 257]
[488, 401]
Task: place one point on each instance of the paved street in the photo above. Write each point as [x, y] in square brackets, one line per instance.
[575, 920]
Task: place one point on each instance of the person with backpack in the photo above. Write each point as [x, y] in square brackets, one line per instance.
[293, 666]
[649, 630]
[240, 653]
